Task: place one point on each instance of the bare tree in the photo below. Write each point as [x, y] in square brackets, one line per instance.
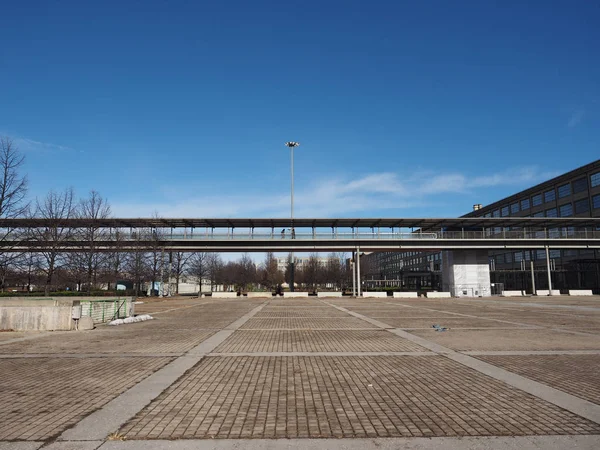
[88, 262]
[13, 189]
[55, 207]
[311, 271]
[271, 276]
[199, 268]
[246, 272]
[137, 268]
[179, 262]
[215, 268]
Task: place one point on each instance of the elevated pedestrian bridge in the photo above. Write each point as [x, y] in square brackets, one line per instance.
[374, 234]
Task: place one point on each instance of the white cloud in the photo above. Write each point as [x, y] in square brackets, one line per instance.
[32, 145]
[576, 118]
[332, 197]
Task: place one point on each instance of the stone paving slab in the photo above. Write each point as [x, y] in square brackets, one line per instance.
[449, 322]
[273, 313]
[316, 341]
[305, 323]
[41, 397]
[578, 375]
[561, 321]
[112, 340]
[288, 397]
[515, 339]
[400, 312]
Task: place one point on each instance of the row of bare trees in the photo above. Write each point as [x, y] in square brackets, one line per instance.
[93, 267]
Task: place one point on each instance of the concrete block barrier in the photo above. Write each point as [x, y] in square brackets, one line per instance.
[329, 294]
[295, 294]
[405, 295]
[542, 292]
[580, 292]
[224, 294]
[438, 295]
[374, 294]
[259, 294]
[512, 294]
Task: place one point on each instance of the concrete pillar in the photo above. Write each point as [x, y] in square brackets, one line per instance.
[548, 268]
[358, 270]
[466, 273]
[533, 291]
[353, 264]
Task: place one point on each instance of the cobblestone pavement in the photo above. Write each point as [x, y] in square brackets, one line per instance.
[316, 341]
[299, 368]
[576, 374]
[268, 397]
[42, 396]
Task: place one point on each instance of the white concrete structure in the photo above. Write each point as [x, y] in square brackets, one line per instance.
[224, 294]
[374, 294]
[542, 292]
[466, 273]
[433, 294]
[329, 294]
[580, 292]
[259, 294]
[295, 294]
[405, 295]
[512, 294]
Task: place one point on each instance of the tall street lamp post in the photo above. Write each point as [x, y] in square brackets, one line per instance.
[292, 145]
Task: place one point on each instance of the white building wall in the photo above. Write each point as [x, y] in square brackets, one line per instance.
[466, 273]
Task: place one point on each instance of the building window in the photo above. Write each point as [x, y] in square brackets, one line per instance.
[595, 179]
[564, 190]
[514, 208]
[551, 212]
[487, 215]
[496, 213]
[580, 185]
[524, 204]
[540, 254]
[582, 206]
[508, 257]
[537, 200]
[500, 258]
[596, 201]
[518, 256]
[566, 210]
[554, 253]
[549, 196]
[504, 211]
[539, 214]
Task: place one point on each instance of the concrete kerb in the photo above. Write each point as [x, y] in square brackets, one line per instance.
[98, 425]
[435, 443]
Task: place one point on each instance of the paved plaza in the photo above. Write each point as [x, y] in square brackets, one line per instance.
[312, 373]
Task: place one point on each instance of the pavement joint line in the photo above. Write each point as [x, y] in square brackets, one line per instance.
[99, 424]
[545, 305]
[311, 329]
[90, 355]
[559, 398]
[529, 352]
[418, 443]
[286, 354]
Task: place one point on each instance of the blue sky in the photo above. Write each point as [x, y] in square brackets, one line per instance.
[401, 108]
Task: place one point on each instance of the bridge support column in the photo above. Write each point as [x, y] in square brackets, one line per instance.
[466, 273]
[358, 271]
[548, 268]
[353, 264]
